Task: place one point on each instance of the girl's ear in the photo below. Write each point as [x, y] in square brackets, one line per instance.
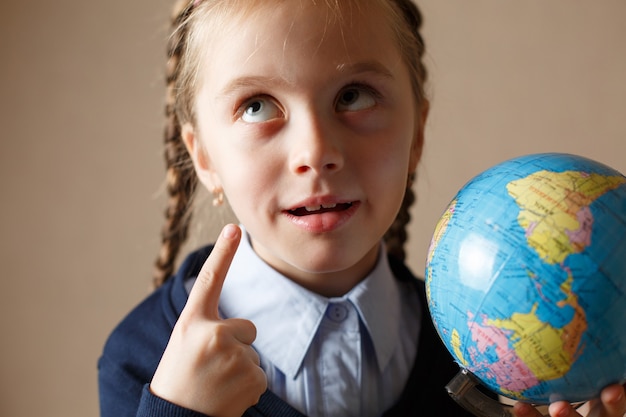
[418, 140]
[201, 161]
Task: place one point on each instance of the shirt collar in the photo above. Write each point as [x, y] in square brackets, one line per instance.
[287, 315]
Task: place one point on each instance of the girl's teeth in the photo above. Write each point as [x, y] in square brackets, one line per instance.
[317, 208]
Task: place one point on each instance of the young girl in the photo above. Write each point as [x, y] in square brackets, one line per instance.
[307, 117]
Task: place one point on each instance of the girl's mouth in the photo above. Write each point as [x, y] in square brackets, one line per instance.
[319, 209]
[322, 218]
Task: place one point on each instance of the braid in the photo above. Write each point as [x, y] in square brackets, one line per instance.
[396, 236]
[181, 180]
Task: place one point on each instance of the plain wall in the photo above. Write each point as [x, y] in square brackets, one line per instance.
[81, 169]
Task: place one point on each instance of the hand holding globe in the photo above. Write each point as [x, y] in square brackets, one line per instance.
[526, 280]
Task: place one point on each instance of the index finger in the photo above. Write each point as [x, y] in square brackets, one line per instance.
[205, 294]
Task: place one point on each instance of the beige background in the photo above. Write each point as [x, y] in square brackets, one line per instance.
[81, 167]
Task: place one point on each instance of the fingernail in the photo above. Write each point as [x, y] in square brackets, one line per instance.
[615, 394]
[563, 413]
[229, 231]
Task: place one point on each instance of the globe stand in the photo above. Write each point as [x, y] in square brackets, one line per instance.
[463, 389]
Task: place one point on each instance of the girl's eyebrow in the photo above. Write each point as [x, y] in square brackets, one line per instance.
[366, 67]
[248, 81]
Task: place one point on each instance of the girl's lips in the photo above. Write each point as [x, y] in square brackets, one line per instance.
[320, 208]
[321, 218]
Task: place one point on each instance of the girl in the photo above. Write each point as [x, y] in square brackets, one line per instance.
[307, 117]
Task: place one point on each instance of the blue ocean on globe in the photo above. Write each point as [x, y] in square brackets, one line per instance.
[526, 277]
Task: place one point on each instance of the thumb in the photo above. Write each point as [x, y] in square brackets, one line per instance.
[205, 294]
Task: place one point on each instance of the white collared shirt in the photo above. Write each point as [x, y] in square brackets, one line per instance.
[344, 356]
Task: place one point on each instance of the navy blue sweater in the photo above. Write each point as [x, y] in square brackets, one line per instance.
[133, 351]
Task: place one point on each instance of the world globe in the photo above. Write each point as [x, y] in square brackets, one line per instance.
[526, 278]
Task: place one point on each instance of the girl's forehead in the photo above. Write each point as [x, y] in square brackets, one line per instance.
[305, 30]
[299, 23]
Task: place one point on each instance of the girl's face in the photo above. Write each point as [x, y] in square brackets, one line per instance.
[310, 126]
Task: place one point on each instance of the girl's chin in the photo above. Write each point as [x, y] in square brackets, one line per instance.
[332, 266]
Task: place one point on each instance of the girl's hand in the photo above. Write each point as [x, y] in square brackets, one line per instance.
[209, 364]
[612, 403]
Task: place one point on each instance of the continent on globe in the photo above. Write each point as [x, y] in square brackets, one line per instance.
[554, 209]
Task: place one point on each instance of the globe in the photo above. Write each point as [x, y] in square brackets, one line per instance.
[526, 278]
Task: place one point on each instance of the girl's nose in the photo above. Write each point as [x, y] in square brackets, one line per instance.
[316, 147]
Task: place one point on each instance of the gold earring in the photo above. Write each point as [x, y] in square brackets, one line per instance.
[218, 198]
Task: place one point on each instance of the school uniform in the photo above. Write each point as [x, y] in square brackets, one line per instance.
[397, 340]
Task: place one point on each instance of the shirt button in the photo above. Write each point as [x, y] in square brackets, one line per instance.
[337, 312]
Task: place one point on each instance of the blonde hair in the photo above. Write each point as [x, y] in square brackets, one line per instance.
[193, 24]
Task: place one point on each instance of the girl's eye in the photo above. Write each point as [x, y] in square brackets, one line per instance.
[355, 99]
[260, 110]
